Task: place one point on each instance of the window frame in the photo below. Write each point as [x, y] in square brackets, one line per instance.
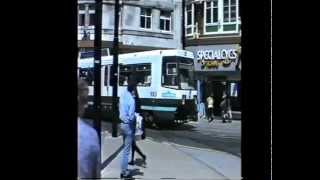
[129, 71]
[165, 18]
[211, 13]
[87, 12]
[221, 22]
[84, 19]
[148, 70]
[192, 25]
[167, 69]
[145, 16]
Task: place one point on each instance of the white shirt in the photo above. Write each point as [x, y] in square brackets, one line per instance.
[210, 102]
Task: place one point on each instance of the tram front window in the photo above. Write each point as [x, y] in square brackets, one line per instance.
[186, 75]
[170, 73]
[186, 79]
[177, 73]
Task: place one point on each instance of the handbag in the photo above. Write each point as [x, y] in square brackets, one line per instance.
[139, 131]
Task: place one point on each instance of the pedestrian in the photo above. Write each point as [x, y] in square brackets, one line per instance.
[135, 147]
[229, 112]
[226, 112]
[88, 142]
[210, 102]
[127, 125]
[202, 108]
[196, 108]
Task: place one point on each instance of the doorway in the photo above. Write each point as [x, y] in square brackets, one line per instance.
[218, 89]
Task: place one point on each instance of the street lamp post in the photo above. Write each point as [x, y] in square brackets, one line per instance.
[183, 25]
[115, 112]
[97, 67]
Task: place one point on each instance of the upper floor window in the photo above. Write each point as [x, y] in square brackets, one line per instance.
[221, 16]
[91, 8]
[81, 19]
[145, 18]
[189, 22]
[212, 12]
[91, 19]
[229, 11]
[165, 20]
[82, 7]
[86, 14]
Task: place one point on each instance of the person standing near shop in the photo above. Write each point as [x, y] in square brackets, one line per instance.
[127, 125]
[210, 102]
[226, 112]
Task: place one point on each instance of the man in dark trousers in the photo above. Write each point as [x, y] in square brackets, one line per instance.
[127, 116]
[134, 144]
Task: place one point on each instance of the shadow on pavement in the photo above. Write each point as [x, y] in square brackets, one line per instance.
[136, 171]
[140, 162]
[177, 127]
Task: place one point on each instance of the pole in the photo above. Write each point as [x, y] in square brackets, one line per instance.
[183, 40]
[97, 67]
[115, 113]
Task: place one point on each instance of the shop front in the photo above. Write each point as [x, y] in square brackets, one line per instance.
[217, 72]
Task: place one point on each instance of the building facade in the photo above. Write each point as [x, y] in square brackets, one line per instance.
[143, 25]
[213, 34]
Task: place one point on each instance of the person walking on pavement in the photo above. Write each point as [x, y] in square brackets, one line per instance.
[226, 109]
[210, 102]
[134, 144]
[127, 125]
[88, 142]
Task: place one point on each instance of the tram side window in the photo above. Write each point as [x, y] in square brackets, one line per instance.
[143, 74]
[169, 77]
[125, 72]
[87, 75]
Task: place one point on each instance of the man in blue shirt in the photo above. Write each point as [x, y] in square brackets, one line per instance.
[127, 125]
[88, 142]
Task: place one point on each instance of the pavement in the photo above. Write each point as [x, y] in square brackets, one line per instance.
[216, 135]
[168, 160]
